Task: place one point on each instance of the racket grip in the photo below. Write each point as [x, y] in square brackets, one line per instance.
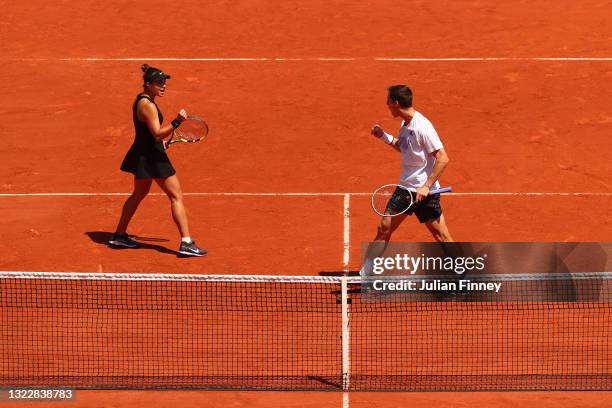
[441, 190]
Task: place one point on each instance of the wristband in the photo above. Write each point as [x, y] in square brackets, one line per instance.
[387, 138]
[175, 123]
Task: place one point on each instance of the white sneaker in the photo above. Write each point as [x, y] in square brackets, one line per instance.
[366, 270]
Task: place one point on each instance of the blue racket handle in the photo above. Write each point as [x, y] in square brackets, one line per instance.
[441, 190]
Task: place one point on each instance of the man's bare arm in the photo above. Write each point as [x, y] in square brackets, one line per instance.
[441, 163]
[379, 133]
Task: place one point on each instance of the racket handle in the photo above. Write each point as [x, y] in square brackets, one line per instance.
[441, 190]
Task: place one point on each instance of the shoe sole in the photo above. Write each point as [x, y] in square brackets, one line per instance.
[121, 244]
[191, 253]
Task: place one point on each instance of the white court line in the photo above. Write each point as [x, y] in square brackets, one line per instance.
[346, 343]
[498, 59]
[345, 400]
[346, 333]
[246, 59]
[309, 59]
[347, 231]
[163, 194]
[526, 194]
[305, 194]
[345, 317]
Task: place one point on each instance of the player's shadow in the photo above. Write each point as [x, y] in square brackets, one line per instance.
[102, 238]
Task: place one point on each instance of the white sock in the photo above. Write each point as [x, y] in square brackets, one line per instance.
[366, 268]
[186, 240]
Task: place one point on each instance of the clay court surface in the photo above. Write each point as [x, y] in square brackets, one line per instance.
[290, 90]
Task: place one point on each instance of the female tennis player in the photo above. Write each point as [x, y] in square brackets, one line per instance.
[147, 161]
[423, 161]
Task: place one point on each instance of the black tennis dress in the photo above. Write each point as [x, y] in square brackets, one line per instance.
[147, 158]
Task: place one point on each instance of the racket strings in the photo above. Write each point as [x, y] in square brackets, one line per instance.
[384, 198]
[392, 200]
[192, 129]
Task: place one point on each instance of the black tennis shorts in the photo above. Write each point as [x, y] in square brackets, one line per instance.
[426, 210]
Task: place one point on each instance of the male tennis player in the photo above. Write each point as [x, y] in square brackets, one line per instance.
[423, 161]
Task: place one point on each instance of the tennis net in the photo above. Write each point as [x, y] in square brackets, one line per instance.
[137, 331]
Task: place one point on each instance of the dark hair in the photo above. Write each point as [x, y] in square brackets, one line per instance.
[152, 74]
[401, 94]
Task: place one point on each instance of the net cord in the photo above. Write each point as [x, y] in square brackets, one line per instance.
[283, 278]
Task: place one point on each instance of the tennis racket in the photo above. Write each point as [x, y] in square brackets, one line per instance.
[382, 195]
[193, 129]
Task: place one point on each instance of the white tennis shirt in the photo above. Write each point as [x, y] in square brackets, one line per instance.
[417, 142]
